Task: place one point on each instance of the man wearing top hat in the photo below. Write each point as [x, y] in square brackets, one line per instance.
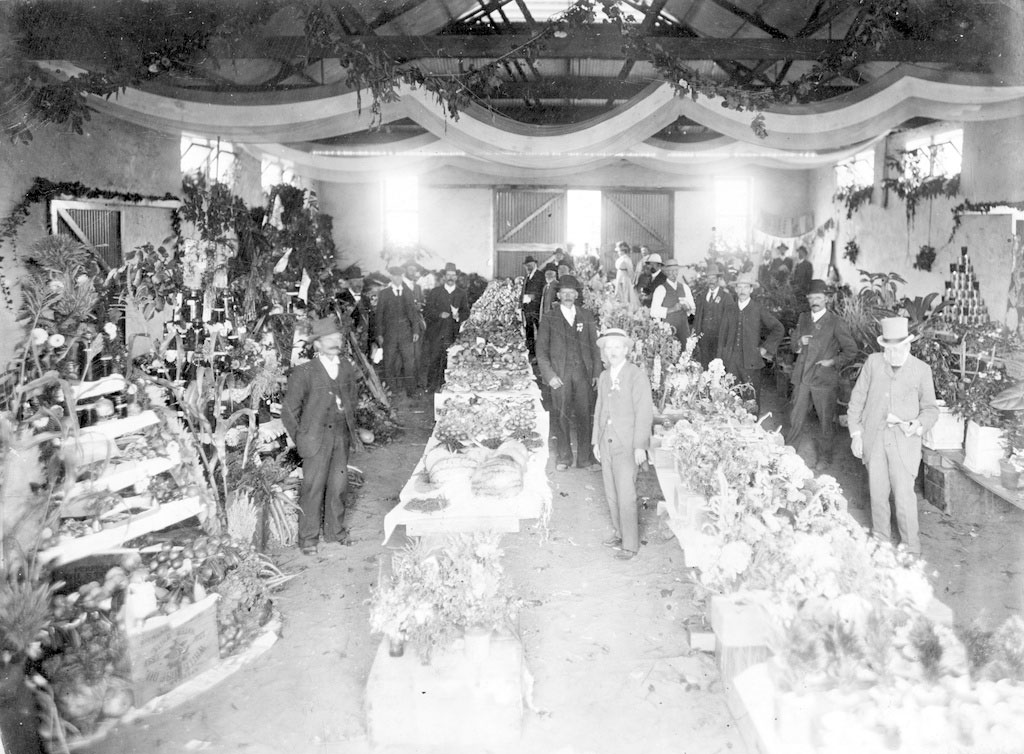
[621, 436]
[398, 327]
[824, 345]
[529, 301]
[752, 334]
[710, 318]
[318, 412]
[446, 308]
[672, 301]
[891, 407]
[569, 363]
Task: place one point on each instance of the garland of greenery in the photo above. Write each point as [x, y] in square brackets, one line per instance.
[983, 207]
[149, 40]
[913, 187]
[852, 197]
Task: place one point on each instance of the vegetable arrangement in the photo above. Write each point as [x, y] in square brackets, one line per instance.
[476, 419]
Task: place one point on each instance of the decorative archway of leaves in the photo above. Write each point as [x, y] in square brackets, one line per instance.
[149, 40]
[968, 206]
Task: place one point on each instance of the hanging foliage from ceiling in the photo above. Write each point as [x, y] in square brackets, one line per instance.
[143, 42]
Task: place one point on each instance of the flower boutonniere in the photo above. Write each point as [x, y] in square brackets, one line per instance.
[579, 327]
[718, 299]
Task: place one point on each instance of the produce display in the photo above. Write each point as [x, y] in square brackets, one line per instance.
[483, 365]
[481, 420]
[498, 305]
[495, 473]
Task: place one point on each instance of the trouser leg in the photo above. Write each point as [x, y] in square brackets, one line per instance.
[901, 460]
[798, 414]
[560, 419]
[315, 470]
[623, 468]
[610, 495]
[825, 404]
[582, 403]
[407, 359]
[879, 489]
[337, 486]
[392, 364]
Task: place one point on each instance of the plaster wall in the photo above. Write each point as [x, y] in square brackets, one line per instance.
[889, 244]
[113, 156]
[994, 161]
[457, 225]
[355, 210]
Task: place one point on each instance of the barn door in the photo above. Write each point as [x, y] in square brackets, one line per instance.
[96, 226]
[527, 221]
[641, 218]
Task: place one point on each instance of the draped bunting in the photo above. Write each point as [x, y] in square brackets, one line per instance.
[798, 136]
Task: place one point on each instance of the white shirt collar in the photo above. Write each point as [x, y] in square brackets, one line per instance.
[569, 313]
[614, 372]
[816, 316]
[743, 304]
[452, 289]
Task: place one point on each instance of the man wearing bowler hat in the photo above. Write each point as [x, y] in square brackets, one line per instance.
[569, 363]
[529, 301]
[446, 308]
[891, 407]
[823, 345]
[752, 335]
[712, 310]
[318, 413]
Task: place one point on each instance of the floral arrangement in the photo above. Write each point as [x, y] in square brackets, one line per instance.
[974, 401]
[432, 597]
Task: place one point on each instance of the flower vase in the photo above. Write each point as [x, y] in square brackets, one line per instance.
[477, 643]
[396, 646]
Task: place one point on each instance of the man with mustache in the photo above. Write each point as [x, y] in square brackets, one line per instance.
[824, 345]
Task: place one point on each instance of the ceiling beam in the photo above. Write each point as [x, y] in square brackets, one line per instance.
[754, 19]
[603, 45]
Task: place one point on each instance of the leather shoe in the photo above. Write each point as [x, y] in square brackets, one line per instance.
[595, 466]
[625, 554]
[308, 549]
[613, 542]
[561, 467]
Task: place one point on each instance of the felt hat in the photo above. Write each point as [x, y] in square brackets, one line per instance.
[781, 247]
[654, 259]
[530, 258]
[450, 267]
[714, 270]
[396, 269]
[895, 331]
[322, 327]
[352, 273]
[817, 286]
[551, 266]
[569, 281]
[415, 264]
[377, 278]
[614, 333]
[747, 278]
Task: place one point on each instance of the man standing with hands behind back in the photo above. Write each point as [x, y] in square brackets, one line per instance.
[569, 363]
[891, 407]
[318, 412]
[823, 345]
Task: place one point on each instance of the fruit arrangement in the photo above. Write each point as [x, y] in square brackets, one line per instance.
[498, 304]
[476, 419]
[482, 365]
[497, 473]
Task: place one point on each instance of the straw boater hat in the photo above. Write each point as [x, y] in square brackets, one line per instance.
[654, 259]
[322, 327]
[669, 263]
[613, 333]
[895, 332]
[747, 278]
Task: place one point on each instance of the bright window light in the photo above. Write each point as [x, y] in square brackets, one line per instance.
[934, 156]
[857, 171]
[212, 158]
[274, 173]
[401, 212]
[732, 212]
[584, 221]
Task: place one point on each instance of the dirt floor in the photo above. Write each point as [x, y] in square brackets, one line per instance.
[603, 638]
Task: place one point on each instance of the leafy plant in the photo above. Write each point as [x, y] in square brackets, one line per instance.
[925, 258]
[25, 593]
[851, 251]
[853, 197]
[938, 355]
[154, 276]
[974, 402]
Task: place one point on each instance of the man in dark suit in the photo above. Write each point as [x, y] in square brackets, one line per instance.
[398, 327]
[446, 308]
[547, 298]
[533, 290]
[413, 272]
[650, 277]
[353, 303]
[569, 363]
[802, 273]
[752, 335]
[318, 412]
[709, 319]
[824, 346]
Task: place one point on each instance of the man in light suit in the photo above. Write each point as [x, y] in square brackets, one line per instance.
[752, 334]
[622, 434]
[824, 346]
[569, 363]
[398, 327]
[318, 413]
[891, 407]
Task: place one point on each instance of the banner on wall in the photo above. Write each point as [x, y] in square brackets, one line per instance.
[785, 227]
[768, 241]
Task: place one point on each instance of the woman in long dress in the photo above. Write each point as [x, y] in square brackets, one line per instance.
[625, 293]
